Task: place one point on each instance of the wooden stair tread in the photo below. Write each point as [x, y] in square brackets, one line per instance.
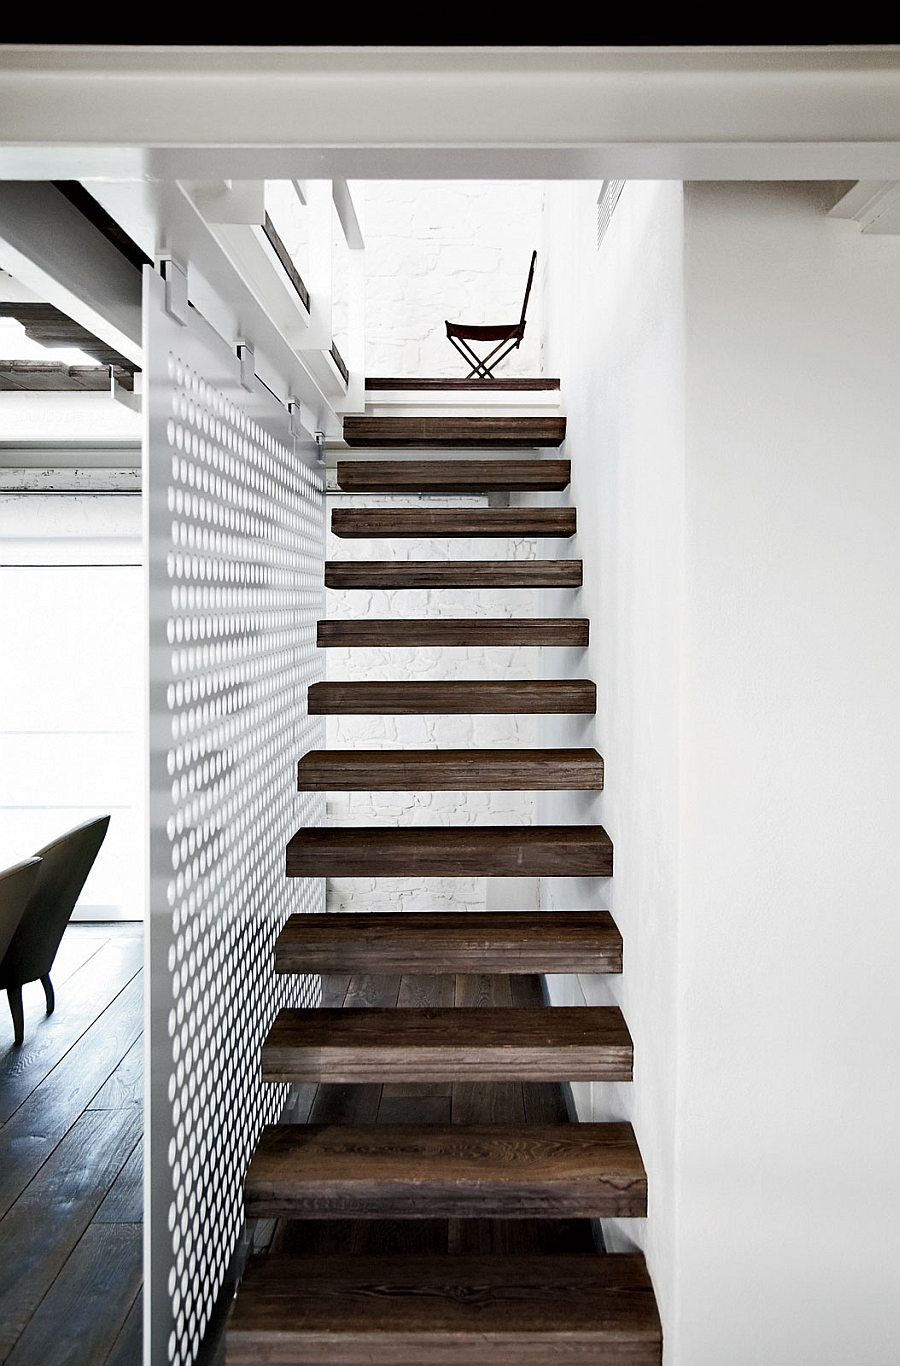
[454, 631]
[453, 574]
[450, 941]
[449, 770]
[399, 383]
[357, 523]
[454, 432]
[568, 1310]
[443, 851]
[447, 1171]
[512, 1043]
[576, 696]
[451, 476]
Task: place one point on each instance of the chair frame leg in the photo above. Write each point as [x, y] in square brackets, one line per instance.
[49, 997]
[16, 1010]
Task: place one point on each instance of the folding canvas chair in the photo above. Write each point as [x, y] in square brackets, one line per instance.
[508, 337]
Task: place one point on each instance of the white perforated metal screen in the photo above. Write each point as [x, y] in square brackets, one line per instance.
[235, 523]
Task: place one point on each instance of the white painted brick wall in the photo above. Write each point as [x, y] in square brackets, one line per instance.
[434, 250]
[426, 732]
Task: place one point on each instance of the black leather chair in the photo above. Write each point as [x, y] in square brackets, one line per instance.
[62, 869]
[508, 337]
[16, 884]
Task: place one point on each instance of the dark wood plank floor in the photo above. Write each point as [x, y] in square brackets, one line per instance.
[428, 1103]
[71, 1198]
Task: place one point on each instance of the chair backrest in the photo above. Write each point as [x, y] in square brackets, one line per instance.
[528, 289]
[64, 866]
[16, 884]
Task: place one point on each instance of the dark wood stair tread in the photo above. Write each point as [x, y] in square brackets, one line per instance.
[397, 631]
[358, 523]
[454, 432]
[451, 476]
[576, 696]
[451, 1171]
[453, 574]
[401, 383]
[510, 1043]
[449, 770]
[450, 941]
[444, 851]
[564, 1310]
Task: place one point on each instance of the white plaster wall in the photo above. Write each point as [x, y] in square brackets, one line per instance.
[733, 417]
[615, 337]
[789, 1237]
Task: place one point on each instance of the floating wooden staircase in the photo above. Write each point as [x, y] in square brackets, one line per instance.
[432, 1091]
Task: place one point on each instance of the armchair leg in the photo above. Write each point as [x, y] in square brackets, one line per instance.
[48, 993]
[14, 995]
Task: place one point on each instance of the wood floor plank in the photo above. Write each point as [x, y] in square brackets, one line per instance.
[79, 1320]
[124, 1203]
[90, 989]
[125, 1085]
[505, 1044]
[454, 523]
[38, 1125]
[451, 851]
[446, 631]
[450, 941]
[454, 432]
[128, 1348]
[336, 1103]
[419, 992]
[546, 696]
[454, 574]
[427, 1170]
[451, 476]
[523, 1311]
[44, 1225]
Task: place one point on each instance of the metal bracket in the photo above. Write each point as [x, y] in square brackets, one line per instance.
[176, 280]
[246, 356]
[320, 446]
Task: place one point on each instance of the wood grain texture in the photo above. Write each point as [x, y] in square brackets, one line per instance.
[451, 476]
[450, 941]
[442, 851]
[432, 631]
[511, 1044]
[442, 1311]
[453, 574]
[449, 770]
[454, 523]
[454, 432]
[377, 383]
[562, 696]
[432, 1170]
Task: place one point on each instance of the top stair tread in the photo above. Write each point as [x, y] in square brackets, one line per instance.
[454, 432]
[392, 1310]
[451, 476]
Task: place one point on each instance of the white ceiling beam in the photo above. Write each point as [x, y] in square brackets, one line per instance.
[828, 112]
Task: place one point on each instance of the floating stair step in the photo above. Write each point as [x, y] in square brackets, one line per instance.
[450, 770]
[449, 941]
[401, 383]
[577, 696]
[451, 476]
[453, 574]
[357, 523]
[454, 631]
[454, 432]
[568, 1310]
[452, 1171]
[443, 851]
[473, 1043]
